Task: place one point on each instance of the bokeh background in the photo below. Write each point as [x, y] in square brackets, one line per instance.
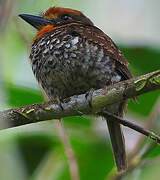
[37, 151]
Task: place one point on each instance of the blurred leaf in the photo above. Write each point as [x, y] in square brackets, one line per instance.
[150, 169]
[12, 49]
[53, 166]
[95, 161]
[33, 147]
[143, 60]
[21, 96]
[11, 161]
[152, 151]
[146, 103]
[78, 120]
[94, 155]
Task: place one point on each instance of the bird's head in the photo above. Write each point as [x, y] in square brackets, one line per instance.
[55, 17]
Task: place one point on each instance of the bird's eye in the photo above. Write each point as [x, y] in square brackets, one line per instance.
[66, 17]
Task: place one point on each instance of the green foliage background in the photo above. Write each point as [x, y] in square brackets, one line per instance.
[25, 151]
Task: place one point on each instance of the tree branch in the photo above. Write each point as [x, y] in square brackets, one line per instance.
[78, 105]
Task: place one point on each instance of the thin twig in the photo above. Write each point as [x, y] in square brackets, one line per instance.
[152, 122]
[22, 34]
[65, 140]
[73, 166]
[131, 125]
[6, 9]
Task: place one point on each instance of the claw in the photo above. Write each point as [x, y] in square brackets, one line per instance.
[59, 102]
[89, 96]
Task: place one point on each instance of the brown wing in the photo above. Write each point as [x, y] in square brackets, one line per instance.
[97, 36]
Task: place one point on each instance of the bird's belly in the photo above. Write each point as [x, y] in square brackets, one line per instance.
[75, 76]
[74, 67]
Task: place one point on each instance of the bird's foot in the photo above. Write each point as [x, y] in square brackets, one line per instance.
[89, 96]
[59, 102]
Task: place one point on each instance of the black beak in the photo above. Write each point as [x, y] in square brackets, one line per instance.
[36, 21]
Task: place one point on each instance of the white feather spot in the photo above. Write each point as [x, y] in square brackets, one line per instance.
[75, 40]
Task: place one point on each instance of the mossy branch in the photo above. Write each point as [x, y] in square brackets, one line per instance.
[78, 105]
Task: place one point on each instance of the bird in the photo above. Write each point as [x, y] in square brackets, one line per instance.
[70, 56]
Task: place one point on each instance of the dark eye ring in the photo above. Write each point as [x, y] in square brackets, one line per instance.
[66, 17]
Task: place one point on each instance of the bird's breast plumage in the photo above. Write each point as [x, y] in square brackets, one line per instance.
[66, 63]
